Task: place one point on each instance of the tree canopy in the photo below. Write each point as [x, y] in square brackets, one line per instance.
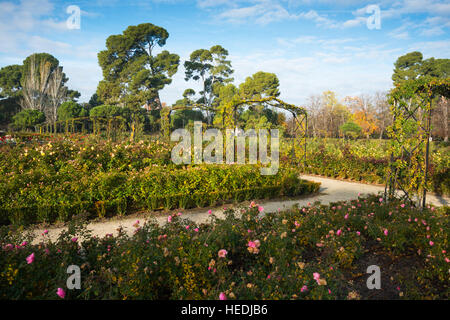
[212, 68]
[412, 66]
[260, 85]
[71, 109]
[10, 77]
[27, 119]
[132, 74]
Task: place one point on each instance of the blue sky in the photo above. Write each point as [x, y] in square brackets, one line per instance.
[312, 46]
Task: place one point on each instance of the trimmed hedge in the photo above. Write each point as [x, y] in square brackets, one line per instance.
[116, 193]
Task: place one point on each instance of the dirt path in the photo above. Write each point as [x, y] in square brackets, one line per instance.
[331, 191]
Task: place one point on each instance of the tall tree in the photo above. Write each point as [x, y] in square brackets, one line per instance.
[260, 85]
[364, 113]
[133, 74]
[382, 109]
[313, 107]
[10, 92]
[57, 93]
[43, 84]
[334, 114]
[213, 69]
[407, 67]
[411, 66]
[35, 81]
[10, 77]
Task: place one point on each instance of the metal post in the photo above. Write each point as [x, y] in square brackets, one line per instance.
[427, 155]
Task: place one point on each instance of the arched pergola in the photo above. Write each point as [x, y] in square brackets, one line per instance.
[230, 121]
[166, 112]
[412, 105]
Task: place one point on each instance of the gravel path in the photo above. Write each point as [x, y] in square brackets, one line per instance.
[331, 191]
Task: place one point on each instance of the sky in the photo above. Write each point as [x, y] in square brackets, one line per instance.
[312, 46]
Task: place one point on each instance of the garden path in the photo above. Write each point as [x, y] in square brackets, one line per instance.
[331, 190]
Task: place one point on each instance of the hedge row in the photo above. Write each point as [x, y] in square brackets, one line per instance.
[117, 193]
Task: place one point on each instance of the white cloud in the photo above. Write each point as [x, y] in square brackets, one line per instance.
[263, 12]
[354, 22]
[348, 66]
[434, 31]
[212, 3]
[19, 22]
[301, 77]
[319, 19]
[328, 43]
[403, 35]
[84, 76]
[437, 49]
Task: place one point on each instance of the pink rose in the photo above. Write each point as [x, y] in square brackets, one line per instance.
[222, 253]
[60, 292]
[30, 258]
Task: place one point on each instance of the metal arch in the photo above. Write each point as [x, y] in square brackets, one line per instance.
[73, 125]
[299, 114]
[426, 91]
[165, 121]
[300, 117]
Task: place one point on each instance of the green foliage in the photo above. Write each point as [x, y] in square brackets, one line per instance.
[411, 66]
[260, 85]
[73, 95]
[109, 111]
[412, 102]
[351, 129]
[94, 101]
[180, 118]
[27, 119]
[41, 59]
[10, 77]
[213, 70]
[132, 74]
[364, 160]
[8, 108]
[54, 181]
[314, 252]
[70, 109]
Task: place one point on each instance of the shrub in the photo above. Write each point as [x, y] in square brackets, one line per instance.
[27, 119]
[313, 252]
[70, 109]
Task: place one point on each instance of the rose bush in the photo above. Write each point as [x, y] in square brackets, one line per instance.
[314, 252]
